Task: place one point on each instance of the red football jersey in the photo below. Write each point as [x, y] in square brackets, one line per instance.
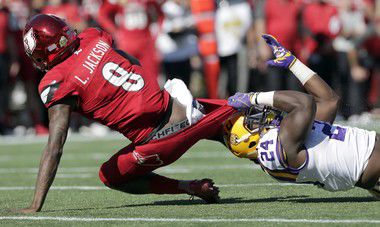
[109, 88]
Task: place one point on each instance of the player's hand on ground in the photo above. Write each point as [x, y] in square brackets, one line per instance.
[240, 100]
[284, 58]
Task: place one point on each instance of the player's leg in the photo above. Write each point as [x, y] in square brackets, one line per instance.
[130, 169]
[371, 174]
[130, 172]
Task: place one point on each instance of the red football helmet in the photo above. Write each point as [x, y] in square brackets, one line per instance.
[48, 40]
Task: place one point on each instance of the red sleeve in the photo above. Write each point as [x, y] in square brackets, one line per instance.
[53, 89]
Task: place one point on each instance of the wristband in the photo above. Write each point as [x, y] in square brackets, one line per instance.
[301, 71]
[262, 98]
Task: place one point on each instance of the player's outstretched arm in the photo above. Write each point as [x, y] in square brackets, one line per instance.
[59, 117]
[326, 99]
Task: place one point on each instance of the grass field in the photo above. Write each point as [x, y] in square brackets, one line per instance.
[249, 197]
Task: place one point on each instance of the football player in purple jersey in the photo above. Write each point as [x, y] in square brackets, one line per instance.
[302, 144]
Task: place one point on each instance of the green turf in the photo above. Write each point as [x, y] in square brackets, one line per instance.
[79, 167]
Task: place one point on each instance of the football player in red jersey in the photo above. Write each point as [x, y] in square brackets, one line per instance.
[85, 74]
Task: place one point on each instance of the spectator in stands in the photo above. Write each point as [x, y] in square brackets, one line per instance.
[20, 11]
[91, 11]
[8, 65]
[352, 76]
[69, 10]
[321, 25]
[37, 5]
[279, 18]
[204, 13]
[372, 45]
[233, 18]
[177, 41]
[130, 23]
[365, 66]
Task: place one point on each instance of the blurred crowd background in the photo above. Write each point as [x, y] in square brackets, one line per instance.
[215, 46]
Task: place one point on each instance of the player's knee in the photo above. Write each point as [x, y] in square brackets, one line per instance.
[103, 177]
[107, 177]
[112, 178]
[135, 185]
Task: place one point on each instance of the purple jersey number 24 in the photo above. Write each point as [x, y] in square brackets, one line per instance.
[264, 155]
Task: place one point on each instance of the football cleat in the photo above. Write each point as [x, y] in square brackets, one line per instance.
[205, 190]
[242, 131]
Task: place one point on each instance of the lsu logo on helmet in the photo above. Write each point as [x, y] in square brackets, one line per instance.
[242, 131]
